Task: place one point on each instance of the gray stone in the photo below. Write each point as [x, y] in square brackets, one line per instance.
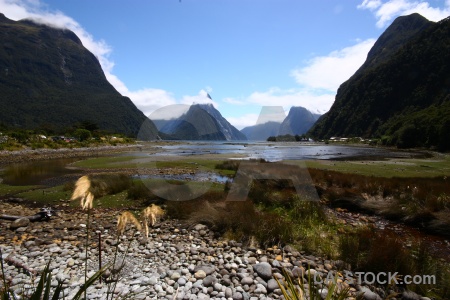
[217, 287]
[247, 280]
[181, 281]
[409, 295]
[368, 294]
[199, 227]
[264, 270]
[272, 285]
[228, 292]
[175, 276]
[209, 281]
[260, 289]
[202, 296]
[207, 269]
[22, 222]
[153, 279]
[237, 296]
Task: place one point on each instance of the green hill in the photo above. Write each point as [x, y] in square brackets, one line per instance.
[48, 79]
[402, 93]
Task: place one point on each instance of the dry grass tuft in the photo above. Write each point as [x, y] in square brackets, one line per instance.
[125, 218]
[82, 192]
[150, 215]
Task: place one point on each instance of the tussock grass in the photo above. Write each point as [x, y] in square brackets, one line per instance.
[423, 202]
[127, 218]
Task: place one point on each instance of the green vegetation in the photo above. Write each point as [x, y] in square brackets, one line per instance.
[7, 190]
[275, 215]
[49, 81]
[433, 167]
[300, 290]
[401, 94]
[288, 138]
[74, 137]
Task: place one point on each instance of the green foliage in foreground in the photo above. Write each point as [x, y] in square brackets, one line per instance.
[301, 291]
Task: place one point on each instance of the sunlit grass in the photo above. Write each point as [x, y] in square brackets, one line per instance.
[6, 189]
[108, 162]
[436, 166]
[46, 196]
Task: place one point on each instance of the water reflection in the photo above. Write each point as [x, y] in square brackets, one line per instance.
[275, 152]
[33, 173]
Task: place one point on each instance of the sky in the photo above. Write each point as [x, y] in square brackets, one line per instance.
[246, 54]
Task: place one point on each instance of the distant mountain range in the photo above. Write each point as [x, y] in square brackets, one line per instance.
[401, 94]
[261, 132]
[49, 80]
[298, 121]
[200, 122]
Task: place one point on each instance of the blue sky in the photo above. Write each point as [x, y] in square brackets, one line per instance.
[245, 53]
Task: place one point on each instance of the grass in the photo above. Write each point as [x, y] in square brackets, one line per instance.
[188, 163]
[46, 196]
[107, 162]
[433, 167]
[6, 190]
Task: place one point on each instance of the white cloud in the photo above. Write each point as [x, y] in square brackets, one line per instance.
[320, 103]
[318, 81]
[386, 11]
[330, 71]
[243, 121]
[168, 112]
[234, 101]
[200, 98]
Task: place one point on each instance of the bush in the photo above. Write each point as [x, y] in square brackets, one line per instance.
[82, 134]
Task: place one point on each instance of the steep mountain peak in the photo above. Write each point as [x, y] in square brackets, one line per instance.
[298, 121]
[394, 37]
[49, 79]
[402, 92]
[200, 122]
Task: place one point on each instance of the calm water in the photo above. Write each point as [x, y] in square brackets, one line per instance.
[33, 173]
[36, 172]
[276, 152]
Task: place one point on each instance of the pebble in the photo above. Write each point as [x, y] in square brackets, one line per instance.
[188, 263]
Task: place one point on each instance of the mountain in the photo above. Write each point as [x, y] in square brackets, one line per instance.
[261, 132]
[401, 94]
[200, 122]
[48, 79]
[298, 121]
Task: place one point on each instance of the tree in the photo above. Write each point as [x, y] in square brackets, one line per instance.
[444, 137]
[407, 137]
[82, 134]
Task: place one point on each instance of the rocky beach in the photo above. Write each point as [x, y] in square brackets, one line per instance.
[176, 261]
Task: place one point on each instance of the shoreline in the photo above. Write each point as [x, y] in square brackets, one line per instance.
[18, 156]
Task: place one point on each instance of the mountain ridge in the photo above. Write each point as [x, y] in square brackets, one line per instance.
[48, 79]
[199, 122]
[393, 100]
